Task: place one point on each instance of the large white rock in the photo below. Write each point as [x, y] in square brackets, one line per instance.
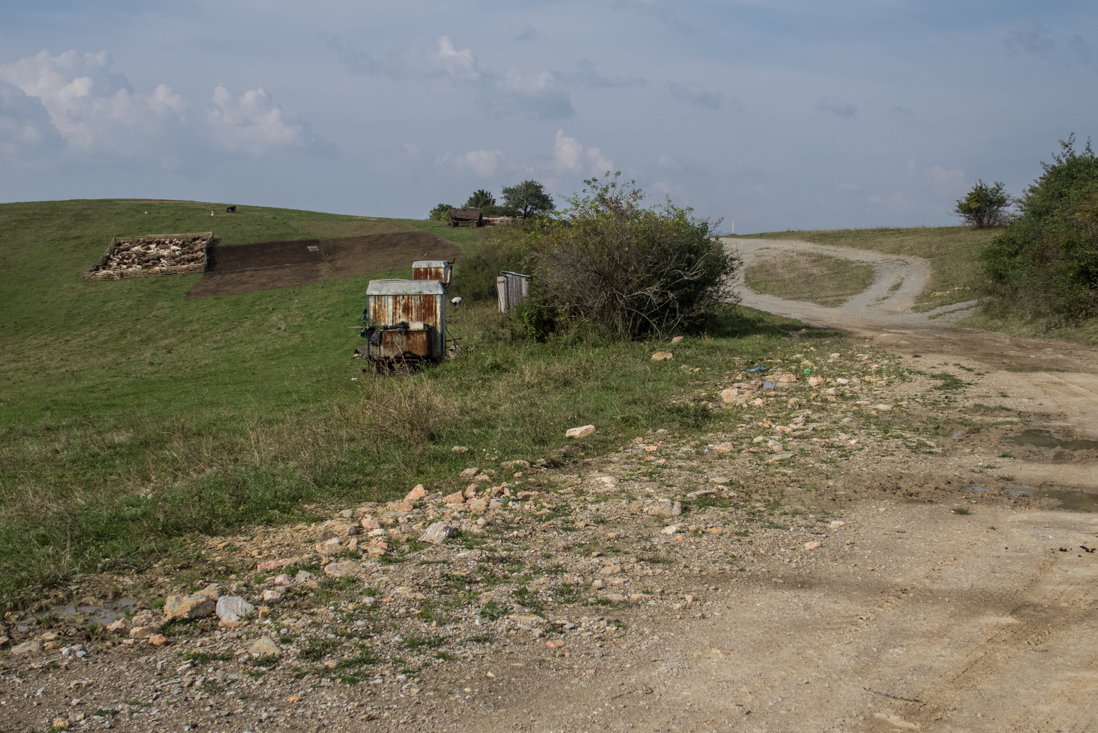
[437, 533]
[233, 608]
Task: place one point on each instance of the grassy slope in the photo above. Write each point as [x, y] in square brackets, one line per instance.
[129, 416]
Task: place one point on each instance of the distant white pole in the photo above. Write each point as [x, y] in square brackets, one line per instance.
[731, 227]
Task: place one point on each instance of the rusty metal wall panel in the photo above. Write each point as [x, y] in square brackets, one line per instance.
[395, 344]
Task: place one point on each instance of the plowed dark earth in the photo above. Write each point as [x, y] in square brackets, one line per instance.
[246, 268]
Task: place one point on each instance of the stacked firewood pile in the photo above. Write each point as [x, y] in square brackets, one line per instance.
[153, 254]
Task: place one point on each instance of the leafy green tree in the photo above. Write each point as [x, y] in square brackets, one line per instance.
[441, 212]
[480, 200]
[528, 197]
[1045, 263]
[628, 271]
[984, 206]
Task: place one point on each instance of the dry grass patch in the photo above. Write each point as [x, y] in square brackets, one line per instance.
[821, 279]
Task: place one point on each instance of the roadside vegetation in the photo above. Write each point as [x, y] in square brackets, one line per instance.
[131, 418]
[608, 265]
[1043, 267]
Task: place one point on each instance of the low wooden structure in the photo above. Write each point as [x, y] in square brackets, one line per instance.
[511, 287]
[471, 217]
[152, 254]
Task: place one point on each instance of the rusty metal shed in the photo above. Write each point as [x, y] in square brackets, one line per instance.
[439, 270]
[407, 320]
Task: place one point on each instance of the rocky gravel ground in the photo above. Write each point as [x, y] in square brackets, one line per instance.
[409, 613]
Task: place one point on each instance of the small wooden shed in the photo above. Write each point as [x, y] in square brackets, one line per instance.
[511, 287]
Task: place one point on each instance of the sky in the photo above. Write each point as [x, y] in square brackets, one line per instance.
[775, 115]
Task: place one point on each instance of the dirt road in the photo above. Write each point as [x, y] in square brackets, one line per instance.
[920, 619]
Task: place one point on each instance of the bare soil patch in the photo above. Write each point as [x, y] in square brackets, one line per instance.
[246, 268]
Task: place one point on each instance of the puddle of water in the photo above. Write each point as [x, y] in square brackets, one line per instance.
[1018, 490]
[978, 489]
[769, 385]
[959, 433]
[1074, 501]
[1046, 439]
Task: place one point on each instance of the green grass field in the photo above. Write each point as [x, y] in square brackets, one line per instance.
[131, 417]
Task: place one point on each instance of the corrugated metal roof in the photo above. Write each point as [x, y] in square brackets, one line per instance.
[430, 263]
[405, 287]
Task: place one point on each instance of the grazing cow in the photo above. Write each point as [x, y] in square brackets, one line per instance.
[231, 209]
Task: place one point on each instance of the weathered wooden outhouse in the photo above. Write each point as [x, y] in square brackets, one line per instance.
[511, 287]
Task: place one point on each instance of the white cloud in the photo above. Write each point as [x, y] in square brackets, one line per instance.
[570, 156]
[87, 110]
[535, 95]
[458, 65]
[836, 106]
[481, 163]
[253, 124]
[94, 110]
[25, 127]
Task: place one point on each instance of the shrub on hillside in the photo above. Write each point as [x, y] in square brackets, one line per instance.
[627, 271]
[440, 212]
[503, 248]
[1046, 261]
[984, 206]
[480, 200]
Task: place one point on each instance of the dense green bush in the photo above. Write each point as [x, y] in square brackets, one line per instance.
[440, 212]
[631, 272]
[503, 248]
[480, 200]
[1045, 263]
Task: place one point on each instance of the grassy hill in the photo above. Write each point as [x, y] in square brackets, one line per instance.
[130, 416]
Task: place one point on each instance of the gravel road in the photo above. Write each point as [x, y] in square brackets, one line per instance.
[888, 302]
